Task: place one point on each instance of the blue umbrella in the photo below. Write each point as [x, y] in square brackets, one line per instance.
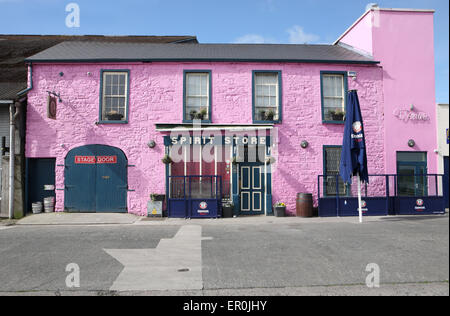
[354, 155]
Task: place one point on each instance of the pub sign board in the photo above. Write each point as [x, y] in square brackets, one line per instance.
[216, 140]
[51, 107]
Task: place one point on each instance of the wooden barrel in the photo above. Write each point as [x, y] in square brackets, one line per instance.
[304, 205]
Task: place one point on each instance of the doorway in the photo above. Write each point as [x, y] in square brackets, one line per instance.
[41, 180]
[96, 180]
[411, 174]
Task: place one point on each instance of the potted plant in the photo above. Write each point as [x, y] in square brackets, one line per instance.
[270, 115]
[279, 209]
[262, 115]
[202, 114]
[114, 116]
[157, 197]
[193, 114]
[167, 160]
[337, 115]
[227, 209]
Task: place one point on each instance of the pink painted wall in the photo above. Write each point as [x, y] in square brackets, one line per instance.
[359, 35]
[156, 96]
[402, 40]
[404, 43]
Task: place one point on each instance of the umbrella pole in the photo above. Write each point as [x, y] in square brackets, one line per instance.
[359, 200]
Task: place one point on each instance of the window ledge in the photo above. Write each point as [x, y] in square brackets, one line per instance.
[267, 122]
[334, 122]
[111, 122]
[201, 121]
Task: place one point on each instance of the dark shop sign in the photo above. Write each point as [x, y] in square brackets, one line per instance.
[216, 140]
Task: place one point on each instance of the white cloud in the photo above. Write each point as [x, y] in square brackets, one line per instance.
[298, 36]
[254, 39]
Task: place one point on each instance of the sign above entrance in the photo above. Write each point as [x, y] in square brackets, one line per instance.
[106, 159]
[221, 140]
[85, 160]
[90, 160]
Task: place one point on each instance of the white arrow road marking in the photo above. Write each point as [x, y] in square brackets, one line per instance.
[159, 268]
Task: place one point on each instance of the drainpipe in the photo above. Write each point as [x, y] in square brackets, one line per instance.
[30, 71]
[12, 154]
[13, 116]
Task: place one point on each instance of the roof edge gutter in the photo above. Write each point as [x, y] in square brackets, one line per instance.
[23, 92]
[118, 60]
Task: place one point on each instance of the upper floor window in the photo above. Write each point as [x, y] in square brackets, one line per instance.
[114, 96]
[334, 91]
[197, 95]
[267, 96]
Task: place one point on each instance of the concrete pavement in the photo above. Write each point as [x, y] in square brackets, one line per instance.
[243, 256]
[70, 219]
[61, 218]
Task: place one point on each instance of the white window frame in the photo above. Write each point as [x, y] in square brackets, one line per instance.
[106, 73]
[274, 107]
[327, 109]
[188, 109]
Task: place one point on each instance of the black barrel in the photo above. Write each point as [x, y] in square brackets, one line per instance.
[304, 205]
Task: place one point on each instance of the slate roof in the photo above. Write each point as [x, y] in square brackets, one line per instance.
[15, 48]
[9, 90]
[129, 52]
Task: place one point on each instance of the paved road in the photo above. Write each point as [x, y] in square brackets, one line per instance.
[239, 258]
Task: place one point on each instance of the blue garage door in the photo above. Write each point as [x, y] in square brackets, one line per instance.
[96, 180]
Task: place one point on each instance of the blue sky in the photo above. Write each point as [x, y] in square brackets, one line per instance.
[224, 21]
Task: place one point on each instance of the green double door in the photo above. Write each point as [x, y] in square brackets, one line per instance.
[251, 188]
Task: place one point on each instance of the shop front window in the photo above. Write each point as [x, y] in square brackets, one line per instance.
[332, 159]
[201, 164]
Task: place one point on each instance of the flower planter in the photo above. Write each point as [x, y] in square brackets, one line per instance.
[114, 117]
[279, 211]
[338, 117]
[227, 211]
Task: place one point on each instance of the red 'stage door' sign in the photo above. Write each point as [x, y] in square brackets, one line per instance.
[86, 160]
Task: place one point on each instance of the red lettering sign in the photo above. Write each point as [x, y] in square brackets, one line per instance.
[93, 159]
[85, 159]
[106, 159]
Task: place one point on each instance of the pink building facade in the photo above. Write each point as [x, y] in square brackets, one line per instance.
[291, 100]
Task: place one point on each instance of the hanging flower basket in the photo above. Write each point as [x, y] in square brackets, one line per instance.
[167, 160]
[270, 160]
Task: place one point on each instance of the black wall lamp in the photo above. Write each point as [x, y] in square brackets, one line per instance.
[411, 143]
[304, 144]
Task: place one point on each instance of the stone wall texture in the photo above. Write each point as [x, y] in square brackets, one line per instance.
[156, 96]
